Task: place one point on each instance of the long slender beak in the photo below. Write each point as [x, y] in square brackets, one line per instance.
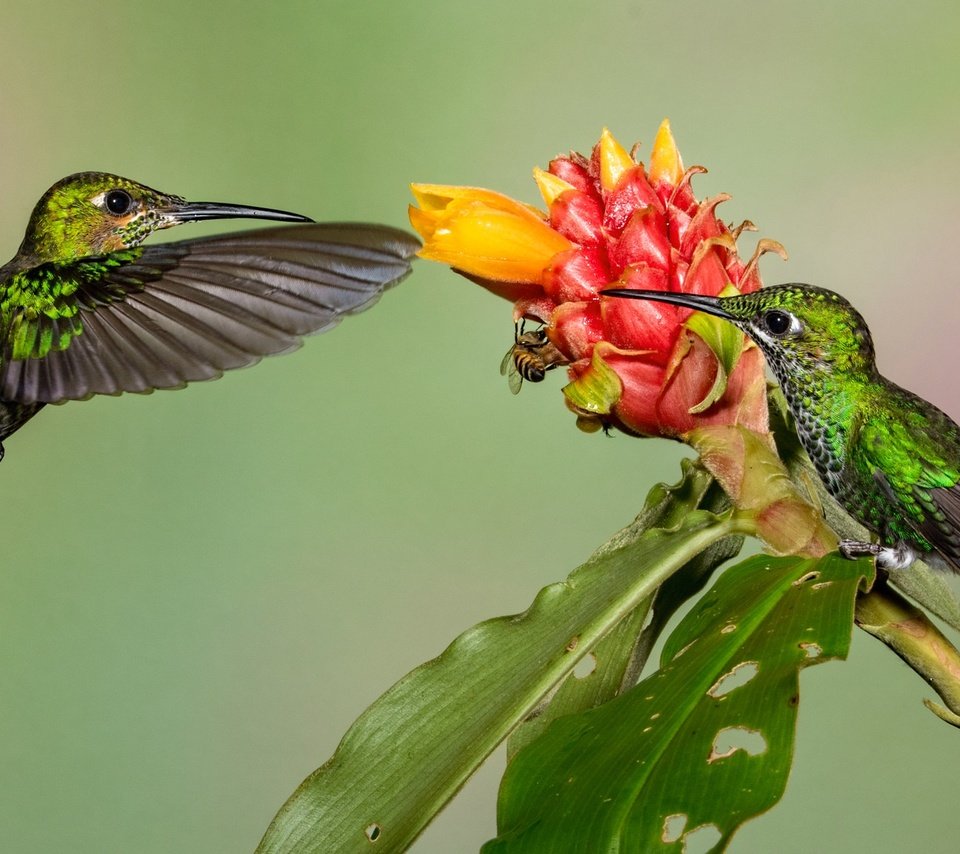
[193, 211]
[698, 302]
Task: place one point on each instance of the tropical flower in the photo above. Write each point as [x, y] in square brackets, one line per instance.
[643, 367]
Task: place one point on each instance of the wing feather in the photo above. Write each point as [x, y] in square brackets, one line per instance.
[908, 459]
[188, 311]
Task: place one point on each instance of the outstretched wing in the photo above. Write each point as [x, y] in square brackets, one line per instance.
[162, 316]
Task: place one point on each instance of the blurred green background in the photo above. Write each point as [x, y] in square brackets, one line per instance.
[199, 591]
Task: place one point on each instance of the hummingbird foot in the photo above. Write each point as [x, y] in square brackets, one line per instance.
[895, 557]
[853, 549]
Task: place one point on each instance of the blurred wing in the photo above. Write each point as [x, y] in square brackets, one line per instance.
[190, 310]
[508, 369]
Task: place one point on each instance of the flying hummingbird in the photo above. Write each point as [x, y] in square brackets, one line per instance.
[890, 458]
[85, 309]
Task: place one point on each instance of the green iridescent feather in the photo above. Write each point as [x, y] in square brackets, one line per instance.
[911, 451]
[85, 310]
[890, 458]
[40, 309]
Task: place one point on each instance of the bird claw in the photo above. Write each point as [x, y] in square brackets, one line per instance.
[895, 557]
[853, 549]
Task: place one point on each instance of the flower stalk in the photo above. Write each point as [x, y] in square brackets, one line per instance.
[907, 630]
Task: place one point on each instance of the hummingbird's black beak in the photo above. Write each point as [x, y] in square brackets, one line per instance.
[193, 211]
[698, 302]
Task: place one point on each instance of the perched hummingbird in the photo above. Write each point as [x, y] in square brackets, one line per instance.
[890, 458]
[85, 309]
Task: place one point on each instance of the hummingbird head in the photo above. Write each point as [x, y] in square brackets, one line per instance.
[93, 213]
[801, 329]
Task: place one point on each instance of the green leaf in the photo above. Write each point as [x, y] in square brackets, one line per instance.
[726, 342]
[598, 389]
[702, 745]
[601, 675]
[619, 657]
[412, 750]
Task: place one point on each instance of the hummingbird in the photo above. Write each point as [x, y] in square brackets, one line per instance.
[85, 309]
[890, 458]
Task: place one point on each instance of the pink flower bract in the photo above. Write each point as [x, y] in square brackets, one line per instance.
[644, 367]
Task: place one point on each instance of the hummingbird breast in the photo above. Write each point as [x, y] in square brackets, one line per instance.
[826, 420]
[822, 419]
[822, 424]
[826, 445]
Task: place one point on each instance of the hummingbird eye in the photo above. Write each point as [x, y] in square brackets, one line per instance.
[118, 202]
[780, 322]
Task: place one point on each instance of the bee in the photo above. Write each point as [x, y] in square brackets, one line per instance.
[530, 357]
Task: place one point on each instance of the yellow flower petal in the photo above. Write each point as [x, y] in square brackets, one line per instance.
[436, 197]
[424, 222]
[614, 160]
[483, 233]
[665, 162]
[550, 185]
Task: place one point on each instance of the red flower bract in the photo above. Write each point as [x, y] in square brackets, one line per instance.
[645, 367]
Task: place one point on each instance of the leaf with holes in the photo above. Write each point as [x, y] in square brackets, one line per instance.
[702, 745]
[413, 749]
[614, 664]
